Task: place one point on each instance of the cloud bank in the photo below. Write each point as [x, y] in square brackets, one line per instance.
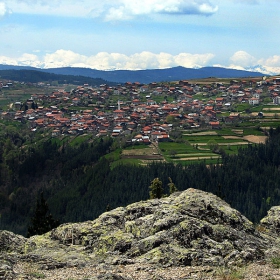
[106, 61]
[128, 9]
[113, 10]
[244, 61]
[144, 60]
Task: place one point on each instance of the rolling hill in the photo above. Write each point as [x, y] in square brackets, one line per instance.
[144, 76]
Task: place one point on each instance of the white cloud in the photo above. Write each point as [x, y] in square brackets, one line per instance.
[273, 61]
[140, 61]
[243, 59]
[128, 8]
[3, 9]
[193, 60]
[29, 60]
[8, 60]
[143, 60]
[113, 9]
[105, 61]
[24, 60]
[62, 58]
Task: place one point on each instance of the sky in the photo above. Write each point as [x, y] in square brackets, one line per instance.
[141, 34]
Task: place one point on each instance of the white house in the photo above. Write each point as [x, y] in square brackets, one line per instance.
[254, 101]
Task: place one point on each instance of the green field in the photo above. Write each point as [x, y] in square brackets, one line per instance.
[201, 146]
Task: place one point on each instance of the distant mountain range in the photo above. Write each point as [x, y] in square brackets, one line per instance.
[143, 76]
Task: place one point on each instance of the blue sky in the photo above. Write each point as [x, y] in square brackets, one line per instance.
[141, 34]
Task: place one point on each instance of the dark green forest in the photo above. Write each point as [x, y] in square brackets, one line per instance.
[79, 183]
[33, 76]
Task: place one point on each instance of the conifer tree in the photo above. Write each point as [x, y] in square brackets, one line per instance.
[156, 189]
[42, 221]
[172, 187]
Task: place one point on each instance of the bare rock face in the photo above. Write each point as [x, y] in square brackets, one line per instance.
[10, 242]
[271, 222]
[189, 228]
[6, 269]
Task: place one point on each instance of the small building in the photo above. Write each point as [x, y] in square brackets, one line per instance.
[254, 101]
[215, 125]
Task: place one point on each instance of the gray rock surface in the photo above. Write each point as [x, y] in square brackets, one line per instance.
[190, 228]
[10, 242]
[109, 276]
[6, 268]
[271, 222]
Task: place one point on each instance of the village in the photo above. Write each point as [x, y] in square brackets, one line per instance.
[139, 112]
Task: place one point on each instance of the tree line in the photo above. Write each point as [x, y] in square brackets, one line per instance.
[79, 184]
[35, 76]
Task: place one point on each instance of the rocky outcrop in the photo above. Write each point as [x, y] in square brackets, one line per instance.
[271, 222]
[10, 242]
[6, 268]
[190, 228]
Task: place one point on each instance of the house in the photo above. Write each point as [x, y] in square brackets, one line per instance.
[76, 101]
[17, 105]
[254, 101]
[119, 113]
[215, 125]
[219, 100]
[276, 100]
[103, 133]
[232, 118]
[163, 137]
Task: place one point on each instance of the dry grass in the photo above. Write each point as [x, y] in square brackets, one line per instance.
[272, 109]
[150, 150]
[237, 131]
[198, 157]
[255, 139]
[232, 137]
[205, 133]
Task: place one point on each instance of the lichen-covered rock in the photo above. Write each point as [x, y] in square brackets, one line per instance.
[188, 228]
[10, 242]
[271, 223]
[109, 276]
[6, 269]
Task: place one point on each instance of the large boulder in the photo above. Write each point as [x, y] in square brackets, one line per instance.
[271, 223]
[187, 228]
[10, 242]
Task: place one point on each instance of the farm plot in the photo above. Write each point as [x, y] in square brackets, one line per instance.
[183, 152]
[205, 139]
[255, 139]
[202, 133]
[202, 146]
[208, 145]
[271, 109]
[143, 153]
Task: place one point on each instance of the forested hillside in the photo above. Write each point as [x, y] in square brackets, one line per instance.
[79, 183]
[36, 76]
[123, 76]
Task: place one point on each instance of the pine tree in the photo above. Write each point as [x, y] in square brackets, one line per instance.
[42, 221]
[156, 189]
[172, 187]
